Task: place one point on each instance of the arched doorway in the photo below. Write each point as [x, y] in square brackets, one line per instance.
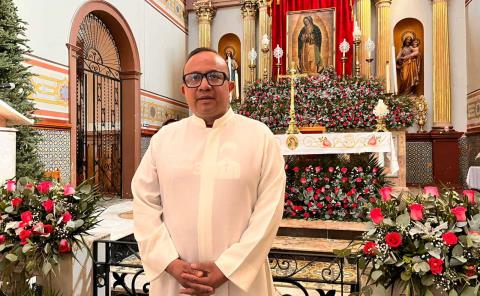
[99, 106]
[104, 91]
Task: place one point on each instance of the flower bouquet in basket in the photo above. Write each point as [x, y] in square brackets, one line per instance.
[425, 244]
[40, 221]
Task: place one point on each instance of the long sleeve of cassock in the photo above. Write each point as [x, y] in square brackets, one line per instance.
[156, 247]
[241, 262]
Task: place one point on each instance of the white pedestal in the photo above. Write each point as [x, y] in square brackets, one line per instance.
[8, 153]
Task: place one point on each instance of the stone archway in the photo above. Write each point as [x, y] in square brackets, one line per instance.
[130, 83]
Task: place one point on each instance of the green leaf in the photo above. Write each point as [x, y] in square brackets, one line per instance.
[11, 257]
[427, 280]
[85, 189]
[406, 275]
[468, 291]
[453, 293]
[457, 251]
[376, 275]
[435, 252]
[47, 248]
[342, 253]
[380, 290]
[46, 268]
[9, 209]
[26, 248]
[362, 263]
[428, 293]
[403, 220]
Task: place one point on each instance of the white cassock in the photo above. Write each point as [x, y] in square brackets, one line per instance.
[210, 194]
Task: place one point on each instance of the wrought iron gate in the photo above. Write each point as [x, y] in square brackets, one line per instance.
[99, 136]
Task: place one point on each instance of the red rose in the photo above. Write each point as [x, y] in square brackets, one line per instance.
[369, 248]
[318, 169]
[331, 169]
[44, 187]
[344, 170]
[459, 213]
[47, 228]
[315, 179]
[10, 186]
[450, 239]
[344, 180]
[470, 194]
[295, 208]
[26, 216]
[432, 190]
[303, 180]
[416, 212]
[393, 239]
[358, 180]
[66, 217]
[2, 239]
[385, 192]
[436, 265]
[24, 234]
[375, 170]
[64, 246]
[376, 215]
[48, 205]
[17, 201]
[309, 189]
[296, 169]
[306, 215]
[470, 270]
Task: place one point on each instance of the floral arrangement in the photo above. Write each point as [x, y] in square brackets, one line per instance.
[332, 192]
[429, 243]
[40, 221]
[327, 100]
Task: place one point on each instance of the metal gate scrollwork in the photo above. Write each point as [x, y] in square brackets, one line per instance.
[99, 93]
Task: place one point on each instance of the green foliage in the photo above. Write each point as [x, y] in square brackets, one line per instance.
[13, 47]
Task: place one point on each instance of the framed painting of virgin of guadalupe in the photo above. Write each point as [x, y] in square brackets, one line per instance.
[311, 40]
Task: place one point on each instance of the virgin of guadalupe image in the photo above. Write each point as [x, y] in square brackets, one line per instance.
[309, 47]
[409, 63]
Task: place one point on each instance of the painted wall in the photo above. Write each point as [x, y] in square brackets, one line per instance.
[457, 33]
[473, 63]
[159, 32]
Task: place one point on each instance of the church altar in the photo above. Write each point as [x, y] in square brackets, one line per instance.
[341, 143]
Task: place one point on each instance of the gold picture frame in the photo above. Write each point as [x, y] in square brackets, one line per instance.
[311, 42]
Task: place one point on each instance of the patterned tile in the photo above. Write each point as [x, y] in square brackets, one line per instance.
[54, 151]
[144, 144]
[419, 163]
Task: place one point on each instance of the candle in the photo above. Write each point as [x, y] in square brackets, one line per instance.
[387, 77]
[394, 72]
[237, 87]
[229, 63]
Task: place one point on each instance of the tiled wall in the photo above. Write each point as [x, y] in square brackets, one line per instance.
[419, 163]
[144, 144]
[54, 151]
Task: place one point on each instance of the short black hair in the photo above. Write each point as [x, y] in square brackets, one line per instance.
[199, 50]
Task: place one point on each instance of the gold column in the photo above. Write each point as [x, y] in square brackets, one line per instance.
[264, 28]
[384, 36]
[205, 13]
[364, 16]
[249, 9]
[442, 107]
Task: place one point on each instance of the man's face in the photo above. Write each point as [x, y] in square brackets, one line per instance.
[206, 101]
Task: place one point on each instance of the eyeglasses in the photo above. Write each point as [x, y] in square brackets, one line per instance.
[214, 78]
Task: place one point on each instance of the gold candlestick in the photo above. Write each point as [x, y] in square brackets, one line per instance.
[278, 65]
[369, 70]
[344, 60]
[356, 43]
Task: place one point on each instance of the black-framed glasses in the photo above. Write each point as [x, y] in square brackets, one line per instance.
[214, 78]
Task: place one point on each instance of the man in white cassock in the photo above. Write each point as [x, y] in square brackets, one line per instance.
[208, 194]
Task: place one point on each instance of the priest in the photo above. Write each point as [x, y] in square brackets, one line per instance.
[208, 194]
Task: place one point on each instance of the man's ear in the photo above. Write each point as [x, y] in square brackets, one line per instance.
[231, 86]
[183, 89]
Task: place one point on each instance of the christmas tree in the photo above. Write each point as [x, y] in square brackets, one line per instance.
[13, 47]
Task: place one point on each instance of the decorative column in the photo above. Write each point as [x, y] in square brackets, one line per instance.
[384, 36]
[364, 17]
[442, 107]
[249, 8]
[205, 13]
[264, 61]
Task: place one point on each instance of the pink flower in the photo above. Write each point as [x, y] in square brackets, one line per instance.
[303, 180]
[358, 180]
[318, 169]
[331, 169]
[44, 187]
[344, 170]
[459, 213]
[376, 215]
[17, 201]
[66, 217]
[2, 239]
[450, 239]
[470, 194]
[432, 190]
[68, 190]
[64, 246]
[385, 192]
[309, 189]
[296, 169]
[48, 205]
[416, 212]
[11, 186]
[26, 217]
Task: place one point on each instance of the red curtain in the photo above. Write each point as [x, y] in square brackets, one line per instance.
[344, 26]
